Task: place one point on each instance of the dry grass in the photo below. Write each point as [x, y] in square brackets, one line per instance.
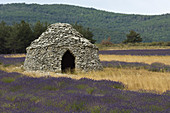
[15, 56]
[130, 58]
[11, 68]
[134, 80]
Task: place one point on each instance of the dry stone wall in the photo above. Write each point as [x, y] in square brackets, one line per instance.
[46, 52]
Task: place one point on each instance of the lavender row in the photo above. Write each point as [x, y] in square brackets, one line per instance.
[156, 66]
[20, 94]
[159, 52]
[9, 61]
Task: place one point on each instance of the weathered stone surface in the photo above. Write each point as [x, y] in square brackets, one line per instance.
[46, 52]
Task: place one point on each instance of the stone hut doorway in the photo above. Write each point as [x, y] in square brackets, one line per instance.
[68, 62]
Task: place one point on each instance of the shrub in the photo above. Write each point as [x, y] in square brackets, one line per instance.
[133, 37]
[107, 42]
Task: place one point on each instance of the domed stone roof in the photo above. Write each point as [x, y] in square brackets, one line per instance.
[56, 32]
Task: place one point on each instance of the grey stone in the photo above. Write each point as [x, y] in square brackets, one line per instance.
[47, 52]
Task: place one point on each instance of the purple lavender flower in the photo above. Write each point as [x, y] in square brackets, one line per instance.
[159, 52]
[9, 61]
[27, 94]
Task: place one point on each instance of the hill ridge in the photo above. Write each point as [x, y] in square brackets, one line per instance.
[102, 23]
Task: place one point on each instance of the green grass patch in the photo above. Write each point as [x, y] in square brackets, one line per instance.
[11, 98]
[34, 99]
[168, 106]
[156, 108]
[95, 109]
[118, 86]
[76, 106]
[7, 65]
[61, 104]
[1, 93]
[81, 86]
[71, 91]
[117, 110]
[33, 109]
[90, 90]
[8, 79]
[15, 88]
[50, 88]
[61, 84]
[9, 105]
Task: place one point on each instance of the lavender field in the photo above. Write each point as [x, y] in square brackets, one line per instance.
[23, 94]
[158, 52]
[155, 66]
[11, 61]
[19, 93]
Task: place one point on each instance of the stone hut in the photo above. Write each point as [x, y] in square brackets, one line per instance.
[60, 48]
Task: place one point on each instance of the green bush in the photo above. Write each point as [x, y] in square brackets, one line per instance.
[133, 37]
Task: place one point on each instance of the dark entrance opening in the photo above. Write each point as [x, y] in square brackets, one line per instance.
[68, 62]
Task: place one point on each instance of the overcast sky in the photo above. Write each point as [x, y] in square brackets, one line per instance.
[149, 7]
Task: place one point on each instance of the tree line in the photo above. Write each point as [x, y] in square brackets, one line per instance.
[17, 37]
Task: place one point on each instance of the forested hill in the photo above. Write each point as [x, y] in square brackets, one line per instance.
[103, 24]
